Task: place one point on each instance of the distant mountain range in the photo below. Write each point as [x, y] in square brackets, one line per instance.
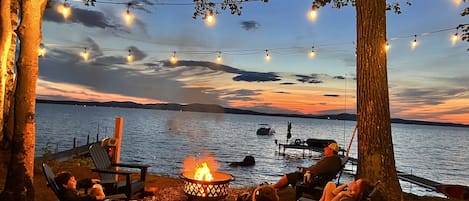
[219, 109]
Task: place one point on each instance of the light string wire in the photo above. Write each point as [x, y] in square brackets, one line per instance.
[275, 50]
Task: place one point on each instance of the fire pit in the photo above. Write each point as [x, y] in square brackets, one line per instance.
[203, 190]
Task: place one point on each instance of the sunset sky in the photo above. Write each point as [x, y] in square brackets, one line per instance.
[429, 82]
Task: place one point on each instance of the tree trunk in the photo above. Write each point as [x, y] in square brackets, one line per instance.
[5, 42]
[375, 147]
[8, 112]
[19, 181]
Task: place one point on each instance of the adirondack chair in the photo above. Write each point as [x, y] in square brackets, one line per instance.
[315, 188]
[50, 179]
[132, 188]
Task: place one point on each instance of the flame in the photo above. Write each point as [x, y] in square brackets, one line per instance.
[203, 173]
[201, 169]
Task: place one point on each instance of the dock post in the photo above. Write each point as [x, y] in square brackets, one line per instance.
[97, 137]
[88, 139]
[118, 136]
[74, 142]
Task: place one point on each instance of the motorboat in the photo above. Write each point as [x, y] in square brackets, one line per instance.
[265, 129]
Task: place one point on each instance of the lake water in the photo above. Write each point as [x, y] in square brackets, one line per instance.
[163, 139]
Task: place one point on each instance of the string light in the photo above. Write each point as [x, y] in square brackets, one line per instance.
[219, 58]
[455, 37]
[267, 56]
[387, 46]
[313, 13]
[210, 18]
[174, 59]
[41, 51]
[64, 9]
[414, 42]
[128, 17]
[130, 57]
[85, 54]
[312, 53]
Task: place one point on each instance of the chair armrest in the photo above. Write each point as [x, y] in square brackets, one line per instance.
[143, 168]
[130, 165]
[121, 172]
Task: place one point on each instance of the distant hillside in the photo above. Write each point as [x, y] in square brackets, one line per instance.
[219, 109]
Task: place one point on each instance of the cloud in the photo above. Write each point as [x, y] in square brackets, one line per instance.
[331, 95]
[431, 96]
[249, 25]
[313, 79]
[241, 94]
[88, 18]
[108, 75]
[248, 76]
[257, 77]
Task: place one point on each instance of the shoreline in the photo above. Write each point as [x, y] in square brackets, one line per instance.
[169, 188]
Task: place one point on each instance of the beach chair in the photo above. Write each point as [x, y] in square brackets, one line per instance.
[50, 179]
[367, 198]
[314, 189]
[133, 188]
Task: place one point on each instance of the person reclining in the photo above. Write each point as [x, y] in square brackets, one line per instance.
[68, 188]
[355, 191]
[327, 167]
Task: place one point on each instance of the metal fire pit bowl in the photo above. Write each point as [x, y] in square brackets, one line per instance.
[217, 189]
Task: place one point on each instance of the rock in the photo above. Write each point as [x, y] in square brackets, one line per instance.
[247, 161]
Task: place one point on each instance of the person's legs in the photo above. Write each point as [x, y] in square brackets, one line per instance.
[290, 178]
[281, 183]
[327, 192]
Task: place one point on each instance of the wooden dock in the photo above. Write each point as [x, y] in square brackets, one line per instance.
[422, 182]
[305, 148]
[67, 154]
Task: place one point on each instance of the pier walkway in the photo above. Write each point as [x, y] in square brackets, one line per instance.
[422, 182]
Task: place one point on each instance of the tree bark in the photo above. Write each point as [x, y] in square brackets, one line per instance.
[375, 148]
[19, 181]
[5, 38]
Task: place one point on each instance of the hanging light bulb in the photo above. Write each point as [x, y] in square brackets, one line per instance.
[455, 37]
[267, 56]
[174, 58]
[313, 14]
[41, 51]
[130, 57]
[128, 17]
[210, 18]
[414, 43]
[312, 53]
[219, 58]
[387, 46]
[85, 54]
[64, 9]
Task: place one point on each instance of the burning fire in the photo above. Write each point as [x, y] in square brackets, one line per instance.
[203, 173]
[201, 168]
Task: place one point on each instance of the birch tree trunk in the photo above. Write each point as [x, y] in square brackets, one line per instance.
[19, 181]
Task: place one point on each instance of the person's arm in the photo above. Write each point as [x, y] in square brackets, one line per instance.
[70, 195]
[84, 183]
[319, 167]
[339, 189]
